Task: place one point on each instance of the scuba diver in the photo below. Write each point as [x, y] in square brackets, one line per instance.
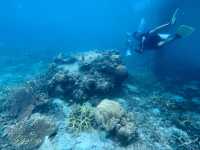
[154, 39]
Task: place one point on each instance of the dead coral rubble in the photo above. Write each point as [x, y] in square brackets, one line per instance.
[89, 74]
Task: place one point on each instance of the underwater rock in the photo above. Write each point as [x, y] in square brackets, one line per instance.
[111, 117]
[196, 101]
[189, 121]
[132, 89]
[121, 72]
[30, 133]
[20, 99]
[62, 82]
[61, 59]
[177, 98]
[93, 73]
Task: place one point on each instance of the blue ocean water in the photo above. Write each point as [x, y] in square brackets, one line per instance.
[162, 89]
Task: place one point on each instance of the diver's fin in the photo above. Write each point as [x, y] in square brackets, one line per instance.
[184, 31]
[173, 19]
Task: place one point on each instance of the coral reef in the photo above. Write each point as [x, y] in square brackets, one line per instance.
[90, 74]
[81, 118]
[79, 78]
[114, 119]
[166, 115]
[30, 133]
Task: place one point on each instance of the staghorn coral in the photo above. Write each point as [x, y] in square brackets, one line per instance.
[81, 118]
[111, 117]
[30, 133]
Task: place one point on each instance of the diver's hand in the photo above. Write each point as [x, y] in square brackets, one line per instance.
[128, 52]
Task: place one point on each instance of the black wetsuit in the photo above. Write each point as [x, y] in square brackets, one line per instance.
[150, 41]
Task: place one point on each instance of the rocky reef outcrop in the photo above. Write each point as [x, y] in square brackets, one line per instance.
[77, 78]
[87, 75]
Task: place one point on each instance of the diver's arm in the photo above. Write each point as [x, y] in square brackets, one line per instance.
[159, 28]
[142, 44]
[143, 39]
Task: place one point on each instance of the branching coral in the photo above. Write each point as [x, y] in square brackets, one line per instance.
[81, 118]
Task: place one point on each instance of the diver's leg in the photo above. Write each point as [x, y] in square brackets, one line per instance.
[173, 19]
[168, 24]
[167, 40]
